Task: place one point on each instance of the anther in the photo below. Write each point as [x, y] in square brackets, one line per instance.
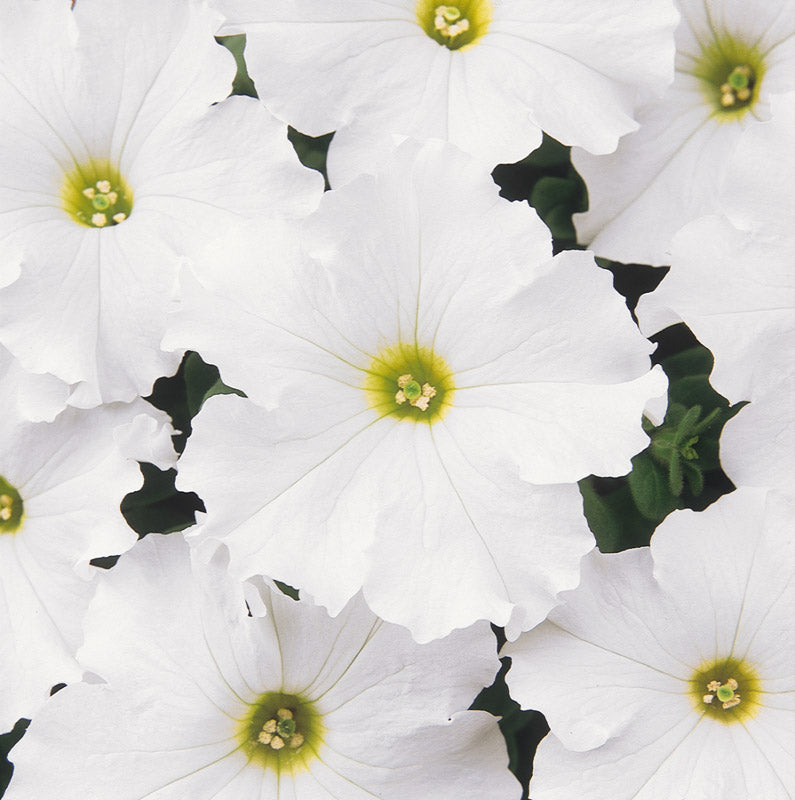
[6, 504]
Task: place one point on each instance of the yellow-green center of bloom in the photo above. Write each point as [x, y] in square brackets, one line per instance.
[11, 508]
[454, 26]
[730, 73]
[282, 732]
[96, 195]
[409, 382]
[727, 690]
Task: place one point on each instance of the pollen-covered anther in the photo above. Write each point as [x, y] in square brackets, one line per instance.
[410, 390]
[103, 186]
[726, 693]
[738, 87]
[120, 217]
[99, 220]
[449, 22]
[6, 507]
[280, 731]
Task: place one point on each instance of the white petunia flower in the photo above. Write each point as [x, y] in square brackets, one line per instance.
[202, 701]
[61, 484]
[731, 277]
[422, 400]
[757, 446]
[486, 75]
[731, 58]
[117, 162]
[669, 672]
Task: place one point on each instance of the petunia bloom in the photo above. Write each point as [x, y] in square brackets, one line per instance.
[423, 394]
[486, 75]
[61, 484]
[731, 279]
[118, 159]
[190, 697]
[669, 671]
[731, 58]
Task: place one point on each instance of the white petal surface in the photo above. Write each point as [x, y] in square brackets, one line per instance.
[71, 477]
[757, 446]
[182, 661]
[611, 666]
[672, 170]
[540, 65]
[38, 398]
[736, 292]
[139, 85]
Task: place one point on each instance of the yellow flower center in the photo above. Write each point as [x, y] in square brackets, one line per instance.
[96, 195]
[454, 26]
[409, 382]
[11, 508]
[727, 690]
[282, 732]
[730, 73]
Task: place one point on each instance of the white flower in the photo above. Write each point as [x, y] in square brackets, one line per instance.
[115, 166]
[757, 446]
[731, 277]
[669, 672]
[670, 171]
[61, 484]
[422, 400]
[202, 701]
[486, 76]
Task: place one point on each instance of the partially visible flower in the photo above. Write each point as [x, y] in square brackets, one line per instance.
[422, 398]
[669, 671]
[203, 701]
[486, 75]
[731, 277]
[757, 446]
[118, 161]
[731, 58]
[61, 484]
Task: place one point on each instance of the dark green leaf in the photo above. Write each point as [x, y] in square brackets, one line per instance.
[650, 488]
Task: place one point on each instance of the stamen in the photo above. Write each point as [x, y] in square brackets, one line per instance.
[6, 507]
[725, 692]
[738, 86]
[281, 731]
[410, 390]
[449, 22]
[103, 186]
[99, 220]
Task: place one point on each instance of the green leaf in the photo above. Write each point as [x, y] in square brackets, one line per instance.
[695, 477]
[202, 380]
[242, 84]
[555, 200]
[311, 150]
[157, 507]
[675, 479]
[7, 741]
[613, 516]
[650, 488]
